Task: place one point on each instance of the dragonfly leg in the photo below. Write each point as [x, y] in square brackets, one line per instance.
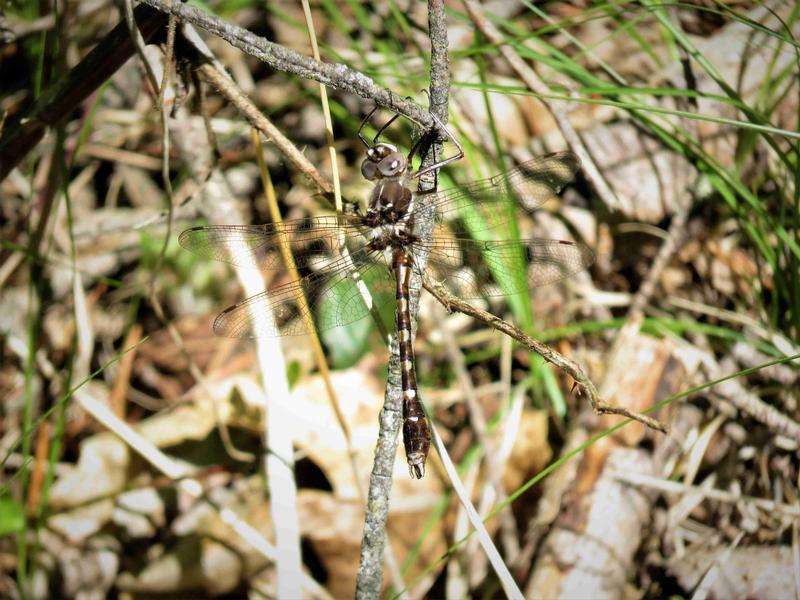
[382, 129]
[364, 122]
[438, 165]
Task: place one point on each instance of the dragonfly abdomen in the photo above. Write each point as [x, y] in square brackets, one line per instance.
[416, 430]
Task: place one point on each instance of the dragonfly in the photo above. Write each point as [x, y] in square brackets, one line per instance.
[382, 247]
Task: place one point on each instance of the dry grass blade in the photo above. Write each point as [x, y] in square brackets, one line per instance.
[183, 477]
[498, 564]
[277, 433]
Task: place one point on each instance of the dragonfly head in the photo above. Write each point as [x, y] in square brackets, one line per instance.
[383, 161]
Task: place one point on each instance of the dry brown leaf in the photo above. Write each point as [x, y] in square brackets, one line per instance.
[531, 451]
[641, 370]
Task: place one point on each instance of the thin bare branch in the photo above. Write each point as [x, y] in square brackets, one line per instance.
[574, 370]
[226, 86]
[138, 42]
[280, 58]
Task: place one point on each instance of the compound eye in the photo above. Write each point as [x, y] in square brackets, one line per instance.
[369, 170]
[394, 164]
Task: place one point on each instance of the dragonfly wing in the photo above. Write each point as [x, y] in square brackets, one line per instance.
[286, 310]
[346, 302]
[487, 204]
[262, 246]
[514, 266]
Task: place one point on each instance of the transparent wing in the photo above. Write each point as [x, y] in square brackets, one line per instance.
[261, 246]
[282, 311]
[514, 266]
[484, 204]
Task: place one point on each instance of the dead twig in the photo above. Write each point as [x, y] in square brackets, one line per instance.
[666, 486]
[61, 98]
[226, 86]
[23, 134]
[289, 61]
[739, 396]
[582, 381]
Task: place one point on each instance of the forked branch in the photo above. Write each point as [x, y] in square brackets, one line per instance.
[281, 58]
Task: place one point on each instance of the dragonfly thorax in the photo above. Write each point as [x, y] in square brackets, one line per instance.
[390, 213]
[390, 201]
